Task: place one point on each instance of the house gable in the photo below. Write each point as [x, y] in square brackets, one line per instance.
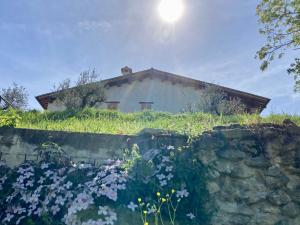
[253, 102]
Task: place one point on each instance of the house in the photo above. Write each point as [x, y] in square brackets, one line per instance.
[156, 90]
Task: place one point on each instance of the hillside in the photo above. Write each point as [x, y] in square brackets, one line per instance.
[112, 122]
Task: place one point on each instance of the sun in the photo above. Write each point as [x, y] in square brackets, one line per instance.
[171, 10]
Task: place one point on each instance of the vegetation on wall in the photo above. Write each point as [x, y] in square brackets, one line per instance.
[51, 191]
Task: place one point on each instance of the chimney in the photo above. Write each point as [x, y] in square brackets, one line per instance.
[126, 70]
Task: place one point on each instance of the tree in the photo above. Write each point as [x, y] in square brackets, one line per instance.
[281, 26]
[214, 100]
[87, 91]
[16, 96]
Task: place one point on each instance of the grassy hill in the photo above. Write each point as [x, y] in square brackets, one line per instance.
[112, 122]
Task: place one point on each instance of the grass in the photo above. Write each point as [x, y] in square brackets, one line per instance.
[112, 122]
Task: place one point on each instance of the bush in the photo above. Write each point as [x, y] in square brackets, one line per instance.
[56, 192]
[9, 118]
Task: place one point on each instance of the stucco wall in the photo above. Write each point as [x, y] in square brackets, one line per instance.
[88, 147]
[165, 96]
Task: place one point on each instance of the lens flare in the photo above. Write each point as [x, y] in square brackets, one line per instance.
[171, 10]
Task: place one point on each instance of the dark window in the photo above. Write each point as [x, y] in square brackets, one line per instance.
[113, 105]
[146, 105]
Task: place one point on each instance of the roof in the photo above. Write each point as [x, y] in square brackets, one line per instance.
[4, 104]
[251, 100]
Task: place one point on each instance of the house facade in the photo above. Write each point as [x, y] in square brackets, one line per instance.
[155, 90]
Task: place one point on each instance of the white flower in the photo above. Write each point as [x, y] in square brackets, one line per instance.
[163, 183]
[55, 209]
[19, 220]
[160, 176]
[8, 217]
[183, 193]
[41, 180]
[68, 184]
[191, 216]
[132, 206]
[44, 165]
[60, 200]
[169, 168]
[48, 173]
[169, 176]
[165, 159]
[170, 147]
[103, 210]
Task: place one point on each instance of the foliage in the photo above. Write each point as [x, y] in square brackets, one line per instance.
[168, 184]
[295, 69]
[52, 152]
[281, 26]
[53, 192]
[50, 193]
[87, 91]
[113, 122]
[214, 100]
[16, 95]
[9, 118]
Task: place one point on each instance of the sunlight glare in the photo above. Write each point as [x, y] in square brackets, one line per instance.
[171, 10]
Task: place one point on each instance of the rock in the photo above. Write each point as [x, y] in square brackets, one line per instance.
[241, 171]
[208, 142]
[212, 173]
[250, 146]
[266, 219]
[278, 198]
[274, 172]
[257, 162]
[267, 208]
[212, 187]
[156, 132]
[253, 197]
[207, 156]
[276, 182]
[291, 209]
[237, 133]
[288, 122]
[231, 154]
[223, 167]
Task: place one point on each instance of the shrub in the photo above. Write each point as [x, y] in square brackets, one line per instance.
[9, 118]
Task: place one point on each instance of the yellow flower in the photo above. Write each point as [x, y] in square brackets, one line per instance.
[145, 212]
[163, 199]
[146, 223]
[173, 191]
[158, 194]
[139, 199]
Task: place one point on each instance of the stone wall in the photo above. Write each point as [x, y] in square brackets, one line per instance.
[254, 174]
[18, 144]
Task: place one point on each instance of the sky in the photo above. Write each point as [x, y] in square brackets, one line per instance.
[45, 41]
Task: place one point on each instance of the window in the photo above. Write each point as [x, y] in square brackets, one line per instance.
[146, 105]
[113, 105]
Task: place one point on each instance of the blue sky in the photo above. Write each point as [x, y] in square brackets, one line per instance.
[43, 42]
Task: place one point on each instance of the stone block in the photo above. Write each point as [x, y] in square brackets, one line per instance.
[279, 198]
[231, 154]
[291, 210]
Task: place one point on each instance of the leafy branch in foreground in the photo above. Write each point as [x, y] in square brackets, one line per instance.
[281, 26]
